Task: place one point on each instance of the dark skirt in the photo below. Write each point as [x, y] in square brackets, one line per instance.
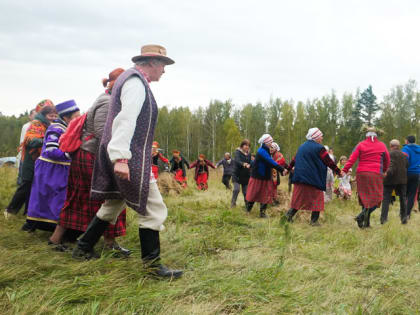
[260, 190]
[370, 188]
[307, 197]
[79, 209]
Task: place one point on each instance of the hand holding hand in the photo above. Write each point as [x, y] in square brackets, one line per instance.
[285, 172]
[121, 170]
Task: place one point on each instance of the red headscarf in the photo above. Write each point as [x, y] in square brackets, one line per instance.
[113, 75]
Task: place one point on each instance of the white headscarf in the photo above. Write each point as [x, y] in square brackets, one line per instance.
[372, 135]
[265, 138]
[313, 134]
[275, 146]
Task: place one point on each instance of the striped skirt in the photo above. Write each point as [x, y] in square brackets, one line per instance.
[307, 197]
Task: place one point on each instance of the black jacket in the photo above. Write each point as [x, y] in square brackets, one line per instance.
[397, 171]
[240, 173]
[227, 167]
[179, 165]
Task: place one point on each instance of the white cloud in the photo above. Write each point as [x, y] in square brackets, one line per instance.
[242, 50]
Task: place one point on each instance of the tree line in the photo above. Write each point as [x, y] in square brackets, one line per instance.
[219, 127]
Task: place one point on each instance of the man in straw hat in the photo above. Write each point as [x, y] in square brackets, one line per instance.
[395, 179]
[374, 161]
[122, 174]
[310, 176]
[202, 171]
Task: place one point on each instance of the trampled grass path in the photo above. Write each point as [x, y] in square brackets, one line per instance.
[234, 264]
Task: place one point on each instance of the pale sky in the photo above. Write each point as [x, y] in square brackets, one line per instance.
[246, 51]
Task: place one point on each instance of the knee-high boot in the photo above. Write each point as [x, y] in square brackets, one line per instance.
[85, 245]
[367, 216]
[360, 218]
[290, 214]
[150, 254]
[263, 209]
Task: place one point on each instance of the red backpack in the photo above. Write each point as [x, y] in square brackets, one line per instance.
[71, 140]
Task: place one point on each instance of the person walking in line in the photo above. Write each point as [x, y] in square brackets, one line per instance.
[31, 150]
[374, 161]
[241, 171]
[179, 165]
[395, 179]
[228, 167]
[412, 150]
[79, 209]
[202, 171]
[309, 176]
[122, 173]
[260, 187]
[51, 173]
[156, 156]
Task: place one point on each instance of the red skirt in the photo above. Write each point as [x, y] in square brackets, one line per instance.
[155, 171]
[179, 177]
[370, 188]
[260, 190]
[202, 181]
[307, 197]
[79, 209]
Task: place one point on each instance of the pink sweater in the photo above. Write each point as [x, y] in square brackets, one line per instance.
[373, 157]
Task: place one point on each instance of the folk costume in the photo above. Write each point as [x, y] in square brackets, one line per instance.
[31, 150]
[127, 139]
[396, 179]
[228, 167]
[412, 151]
[79, 209]
[178, 164]
[374, 160]
[51, 175]
[309, 177]
[202, 172]
[280, 160]
[260, 187]
[156, 156]
[241, 174]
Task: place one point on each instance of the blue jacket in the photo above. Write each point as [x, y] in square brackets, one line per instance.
[309, 168]
[413, 152]
[263, 164]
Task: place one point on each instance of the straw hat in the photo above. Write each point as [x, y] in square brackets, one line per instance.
[153, 51]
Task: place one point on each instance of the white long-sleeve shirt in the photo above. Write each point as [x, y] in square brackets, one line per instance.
[133, 95]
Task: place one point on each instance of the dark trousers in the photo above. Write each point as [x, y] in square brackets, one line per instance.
[401, 191]
[235, 193]
[412, 184]
[226, 180]
[21, 197]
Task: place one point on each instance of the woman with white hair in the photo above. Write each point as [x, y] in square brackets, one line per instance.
[260, 187]
[374, 161]
[310, 176]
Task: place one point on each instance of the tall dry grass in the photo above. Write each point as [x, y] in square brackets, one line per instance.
[234, 264]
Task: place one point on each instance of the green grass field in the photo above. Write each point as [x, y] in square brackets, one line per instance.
[234, 264]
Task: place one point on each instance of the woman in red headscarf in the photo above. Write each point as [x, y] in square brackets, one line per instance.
[79, 209]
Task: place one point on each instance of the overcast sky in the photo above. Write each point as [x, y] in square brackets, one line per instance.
[247, 51]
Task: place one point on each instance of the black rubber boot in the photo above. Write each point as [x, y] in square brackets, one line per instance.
[263, 209]
[360, 218]
[366, 222]
[249, 206]
[314, 218]
[85, 245]
[150, 254]
[290, 214]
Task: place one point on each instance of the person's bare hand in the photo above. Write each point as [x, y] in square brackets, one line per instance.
[285, 172]
[122, 171]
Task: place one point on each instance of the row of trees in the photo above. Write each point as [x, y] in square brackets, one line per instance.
[221, 126]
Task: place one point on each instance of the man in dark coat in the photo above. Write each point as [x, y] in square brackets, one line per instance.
[123, 169]
[395, 178]
[227, 164]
